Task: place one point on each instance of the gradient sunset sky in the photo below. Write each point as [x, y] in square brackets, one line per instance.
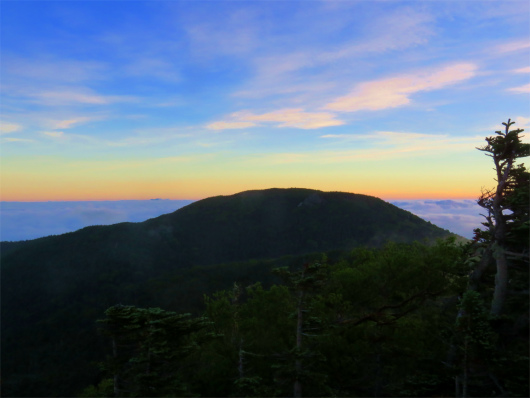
[108, 100]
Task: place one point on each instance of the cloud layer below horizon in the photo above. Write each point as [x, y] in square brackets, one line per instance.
[31, 220]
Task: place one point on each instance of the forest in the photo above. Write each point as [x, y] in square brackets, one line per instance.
[322, 310]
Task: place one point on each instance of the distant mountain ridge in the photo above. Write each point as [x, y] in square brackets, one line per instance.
[233, 228]
[65, 282]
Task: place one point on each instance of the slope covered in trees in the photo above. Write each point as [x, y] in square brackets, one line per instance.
[60, 285]
[372, 323]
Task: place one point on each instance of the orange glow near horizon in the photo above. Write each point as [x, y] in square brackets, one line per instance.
[53, 179]
[135, 193]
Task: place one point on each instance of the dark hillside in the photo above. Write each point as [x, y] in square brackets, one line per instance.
[271, 223]
[54, 288]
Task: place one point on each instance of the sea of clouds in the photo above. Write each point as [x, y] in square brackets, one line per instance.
[31, 220]
[458, 216]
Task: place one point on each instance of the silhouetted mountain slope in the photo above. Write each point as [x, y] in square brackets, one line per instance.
[252, 224]
[54, 288]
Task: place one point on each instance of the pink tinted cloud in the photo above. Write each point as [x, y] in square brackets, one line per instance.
[396, 91]
[69, 123]
[513, 46]
[230, 125]
[296, 118]
[521, 89]
[522, 70]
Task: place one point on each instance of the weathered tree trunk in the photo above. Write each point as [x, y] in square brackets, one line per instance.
[505, 149]
[501, 284]
[115, 377]
[298, 362]
[476, 276]
[465, 376]
[378, 382]
[474, 282]
[241, 360]
[501, 277]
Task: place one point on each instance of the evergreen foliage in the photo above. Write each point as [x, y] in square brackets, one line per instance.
[386, 339]
[490, 346]
[149, 348]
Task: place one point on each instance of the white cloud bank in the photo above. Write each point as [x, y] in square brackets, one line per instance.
[458, 216]
[31, 220]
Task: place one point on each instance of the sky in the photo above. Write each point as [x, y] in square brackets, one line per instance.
[132, 100]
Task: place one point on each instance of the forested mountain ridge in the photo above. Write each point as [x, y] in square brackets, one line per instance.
[59, 285]
[312, 221]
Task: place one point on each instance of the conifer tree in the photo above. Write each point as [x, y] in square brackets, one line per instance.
[302, 283]
[507, 213]
[498, 257]
[148, 347]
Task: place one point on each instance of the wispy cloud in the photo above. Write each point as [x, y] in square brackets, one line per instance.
[396, 31]
[53, 70]
[337, 136]
[8, 128]
[317, 69]
[76, 96]
[513, 46]
[54, 134]
[229, 125]
[69, 123]
[283, 158]
[522, 123]
[382, 145]
[521, 89]
[152, 136]
[153, 67]
[395, 92]
[142, 164]
[137, 138]
[207, 39]
[169, 102]
[522, 70]
[296, 118]
[390, 145]
[22, 140]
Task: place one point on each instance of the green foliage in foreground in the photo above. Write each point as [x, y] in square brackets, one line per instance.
[397, 321]
[374, 323]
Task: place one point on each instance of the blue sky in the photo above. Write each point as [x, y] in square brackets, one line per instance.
[114, 100]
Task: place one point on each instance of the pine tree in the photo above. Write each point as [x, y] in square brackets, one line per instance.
[303, 283]
[148, 347]
[498, 257]
[507, 214]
